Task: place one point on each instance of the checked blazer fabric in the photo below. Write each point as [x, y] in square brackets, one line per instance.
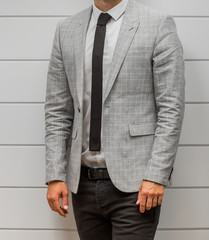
[143, 103]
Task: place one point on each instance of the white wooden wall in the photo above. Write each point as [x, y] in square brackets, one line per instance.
[27, 29]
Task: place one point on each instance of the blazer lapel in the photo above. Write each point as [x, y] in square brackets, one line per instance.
[79, 46]
[128, 29]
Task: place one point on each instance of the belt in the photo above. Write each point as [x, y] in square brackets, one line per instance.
[94, 173]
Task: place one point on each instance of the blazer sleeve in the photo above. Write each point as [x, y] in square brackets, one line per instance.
[59, 113]
[169, 90]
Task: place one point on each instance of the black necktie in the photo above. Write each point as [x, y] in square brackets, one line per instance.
[96, 89]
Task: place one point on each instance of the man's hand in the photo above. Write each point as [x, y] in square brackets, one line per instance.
[58, 189]
[150, 195]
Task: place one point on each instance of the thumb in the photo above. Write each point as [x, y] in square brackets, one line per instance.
[65, 200]
[139, 195]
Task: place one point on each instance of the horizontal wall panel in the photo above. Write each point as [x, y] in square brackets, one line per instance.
[24, 124]
[39, 234]
[191, 167]
[26, 166]
[46, 7]
[195, 127]
[197, 84]
[32, 38]
[192, 234]
[30, 209]
[27, 38]
[185, 208]
[182, 208]
[194, 37]
[179, 7]
[57, 7]
[23, 81]
[73, 235]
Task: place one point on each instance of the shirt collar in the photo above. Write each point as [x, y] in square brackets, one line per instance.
[115, 12]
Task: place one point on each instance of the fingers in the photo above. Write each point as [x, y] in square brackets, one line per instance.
[150, 195]
[56, 207]
[141, 201]
[55, 191]
[65, 200]
[139, 196]
[149, 202]
[154, 201]
[142, 204]
[160, 198]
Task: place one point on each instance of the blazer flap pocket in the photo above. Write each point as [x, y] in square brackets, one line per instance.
[142, 129]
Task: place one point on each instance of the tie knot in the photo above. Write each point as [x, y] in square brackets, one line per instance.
[103, 19]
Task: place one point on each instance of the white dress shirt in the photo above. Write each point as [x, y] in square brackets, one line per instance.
[97, 158]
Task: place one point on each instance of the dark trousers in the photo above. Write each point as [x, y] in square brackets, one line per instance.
[102, 212]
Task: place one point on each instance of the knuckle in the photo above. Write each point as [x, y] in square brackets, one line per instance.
[144, 192]
[155, 194]
[54, 197]
[142, 206]
[49, 198]
[56, 209]
[65, 193]
[162, 192]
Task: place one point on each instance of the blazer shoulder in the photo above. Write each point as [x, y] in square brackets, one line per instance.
[147, 12]
[75, 18]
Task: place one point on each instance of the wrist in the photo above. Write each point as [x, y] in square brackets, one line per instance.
[53, 181]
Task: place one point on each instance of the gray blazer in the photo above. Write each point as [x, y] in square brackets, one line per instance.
[143, 102]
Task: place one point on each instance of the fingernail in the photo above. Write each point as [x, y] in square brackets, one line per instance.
[65, 207]
[137, 201]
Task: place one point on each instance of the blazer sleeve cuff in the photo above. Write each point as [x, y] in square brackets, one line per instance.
[160, 179]
[55, 177]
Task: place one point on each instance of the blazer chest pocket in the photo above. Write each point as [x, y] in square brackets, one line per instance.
[142, 129]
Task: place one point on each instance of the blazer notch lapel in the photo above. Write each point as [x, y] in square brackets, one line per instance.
[79, 46]
[125, 37]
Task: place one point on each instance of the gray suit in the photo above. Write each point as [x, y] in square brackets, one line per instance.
[143, 102]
